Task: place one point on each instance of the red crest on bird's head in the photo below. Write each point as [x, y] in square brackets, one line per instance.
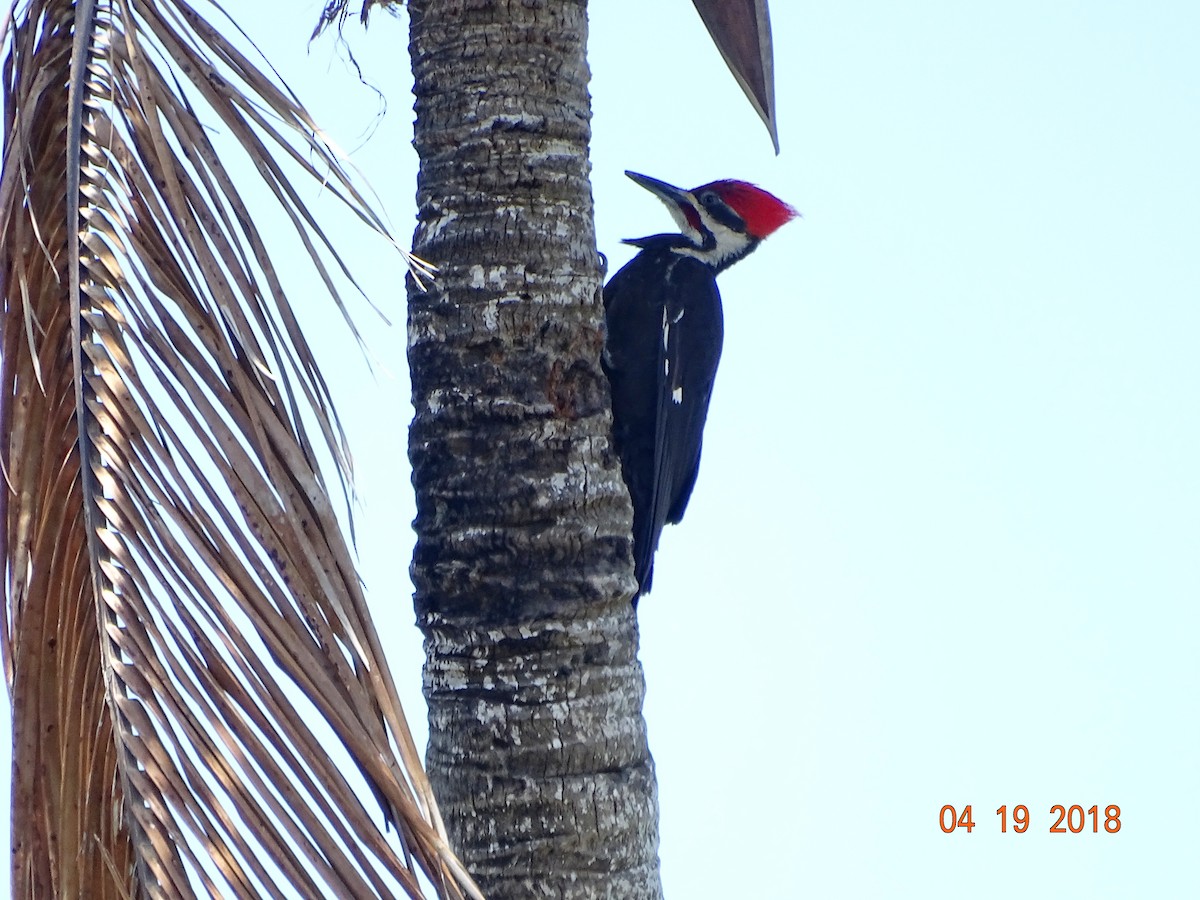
[762, 211]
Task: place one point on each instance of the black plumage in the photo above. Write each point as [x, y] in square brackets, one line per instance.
[665, 330]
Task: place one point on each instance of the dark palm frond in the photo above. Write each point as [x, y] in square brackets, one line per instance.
[182, 605]
[741, 29]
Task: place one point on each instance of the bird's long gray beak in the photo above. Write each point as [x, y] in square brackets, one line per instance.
[668, 193]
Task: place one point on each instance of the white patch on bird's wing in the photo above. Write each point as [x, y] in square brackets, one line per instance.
[666, 329]
[677, 395]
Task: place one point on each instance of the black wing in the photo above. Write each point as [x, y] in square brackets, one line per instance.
[664, 343]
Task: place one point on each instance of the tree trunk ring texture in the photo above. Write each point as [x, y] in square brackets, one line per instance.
[522, 568]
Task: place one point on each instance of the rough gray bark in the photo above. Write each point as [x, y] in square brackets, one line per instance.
[522, 569]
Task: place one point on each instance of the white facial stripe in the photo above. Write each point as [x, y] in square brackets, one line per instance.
[684, 225]
[727, 242]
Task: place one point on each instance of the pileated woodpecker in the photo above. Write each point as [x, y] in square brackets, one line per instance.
[663, 316]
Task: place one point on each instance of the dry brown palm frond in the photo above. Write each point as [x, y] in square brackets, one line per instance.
[182, 605]
[336, 12]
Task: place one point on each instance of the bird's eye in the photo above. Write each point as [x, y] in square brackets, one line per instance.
[709, 198]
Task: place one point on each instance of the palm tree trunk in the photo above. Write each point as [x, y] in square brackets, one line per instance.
[522, 569]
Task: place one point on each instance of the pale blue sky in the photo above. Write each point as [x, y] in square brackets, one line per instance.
[943, 548]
